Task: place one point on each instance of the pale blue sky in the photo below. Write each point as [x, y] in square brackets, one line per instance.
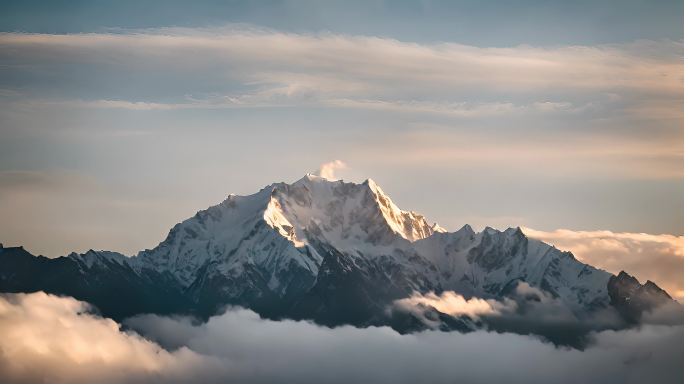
[475, 22]
[119, 119]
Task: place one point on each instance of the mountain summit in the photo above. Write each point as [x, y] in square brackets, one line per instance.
[330, 251]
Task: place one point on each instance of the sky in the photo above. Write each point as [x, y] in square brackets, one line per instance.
[120, 119]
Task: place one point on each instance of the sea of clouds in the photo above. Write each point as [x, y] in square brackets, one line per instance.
[47, 338]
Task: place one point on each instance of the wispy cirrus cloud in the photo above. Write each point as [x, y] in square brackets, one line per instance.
[274, 98]
[356, 71]
[608, 92]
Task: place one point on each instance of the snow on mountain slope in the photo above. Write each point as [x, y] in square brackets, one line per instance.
[240, 232]
[330, 251]
[489, 263]
[88, 260]
[271, 228]
[349, 216]
[275, 247]
[274, 242]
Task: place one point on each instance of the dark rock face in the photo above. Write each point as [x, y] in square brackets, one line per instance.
[115, 289]
[491, 254]
[632, 298]
[342, 293]
[346, 291]
[350, 291]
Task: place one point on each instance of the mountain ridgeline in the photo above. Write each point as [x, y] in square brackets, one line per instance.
[335, 253]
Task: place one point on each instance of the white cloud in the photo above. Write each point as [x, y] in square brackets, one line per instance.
[327, 170]
[659, 258]
[525, 310]
[364, 71]
[53, 339]
[460, 109]
[303, 352]
[452, 303]
[289, 97]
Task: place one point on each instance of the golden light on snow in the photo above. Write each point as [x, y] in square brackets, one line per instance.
[659, 258]
[452, 303]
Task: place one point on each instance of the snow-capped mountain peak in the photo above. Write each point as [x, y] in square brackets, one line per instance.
[286, 227]
[333, 251]
[410, 225]
[347, 216]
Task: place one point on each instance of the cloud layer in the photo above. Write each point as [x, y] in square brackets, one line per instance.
[51, 339]
[451, 303]
[275, 68]
[525, 310]
[57, 339]
[659, 258]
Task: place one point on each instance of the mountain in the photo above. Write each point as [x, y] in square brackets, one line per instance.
[329, 251]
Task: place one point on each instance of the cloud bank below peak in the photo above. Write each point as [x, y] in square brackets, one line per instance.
[57, 339]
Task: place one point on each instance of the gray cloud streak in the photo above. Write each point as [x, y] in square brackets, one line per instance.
[350, 71]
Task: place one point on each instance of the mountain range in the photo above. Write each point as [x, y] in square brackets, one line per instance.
[337, 253]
